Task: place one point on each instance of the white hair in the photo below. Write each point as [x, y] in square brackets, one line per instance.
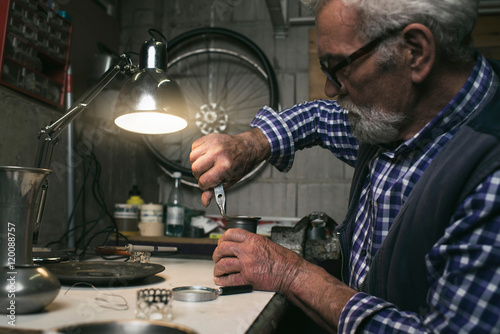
[450, 21]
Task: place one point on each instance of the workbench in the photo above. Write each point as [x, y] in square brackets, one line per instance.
[255, 312]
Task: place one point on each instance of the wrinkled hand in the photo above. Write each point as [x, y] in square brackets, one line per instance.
[219, 158]
[242, 257]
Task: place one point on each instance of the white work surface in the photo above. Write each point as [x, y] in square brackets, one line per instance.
[230, 314]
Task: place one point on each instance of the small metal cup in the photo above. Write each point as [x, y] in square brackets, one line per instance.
[154, 304]
[243, 222]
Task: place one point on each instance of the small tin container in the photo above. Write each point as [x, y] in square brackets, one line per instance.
[151, 213]
[127, 218]
[243, 222]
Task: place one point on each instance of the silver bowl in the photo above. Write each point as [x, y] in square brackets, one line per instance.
[125, 327]
[28, 289]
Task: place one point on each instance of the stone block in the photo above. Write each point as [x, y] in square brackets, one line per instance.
[314, 163]
[262, 199]
[292, 51]
[144, 17]
[301, 87]
[241, 10]
[286, 85]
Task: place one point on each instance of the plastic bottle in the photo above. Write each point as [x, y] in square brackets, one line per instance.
[175, 210]
[135, 196]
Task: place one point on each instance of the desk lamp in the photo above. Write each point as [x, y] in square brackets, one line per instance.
[148, 103]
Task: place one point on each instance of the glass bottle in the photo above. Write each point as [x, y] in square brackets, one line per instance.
[175, 209]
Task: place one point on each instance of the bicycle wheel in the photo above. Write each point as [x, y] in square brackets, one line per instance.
[225, 79]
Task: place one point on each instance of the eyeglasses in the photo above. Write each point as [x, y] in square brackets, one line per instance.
[331, 74]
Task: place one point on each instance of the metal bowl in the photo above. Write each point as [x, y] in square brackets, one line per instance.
[31, 288]
[125, 327]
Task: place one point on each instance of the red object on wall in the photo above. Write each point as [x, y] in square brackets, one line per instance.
[34, 50]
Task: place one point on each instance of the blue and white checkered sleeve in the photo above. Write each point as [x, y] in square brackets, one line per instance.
[320, 122]
[463, 272]
[278, 135]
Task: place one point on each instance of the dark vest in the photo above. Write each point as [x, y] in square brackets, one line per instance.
[398, 273]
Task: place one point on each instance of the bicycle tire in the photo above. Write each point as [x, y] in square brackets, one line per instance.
[237, 53]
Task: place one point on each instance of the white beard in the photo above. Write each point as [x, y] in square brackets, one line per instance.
[372, 125]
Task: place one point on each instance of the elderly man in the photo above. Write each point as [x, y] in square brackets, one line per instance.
[418, 115]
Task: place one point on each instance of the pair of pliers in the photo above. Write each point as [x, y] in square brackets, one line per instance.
[220, 198]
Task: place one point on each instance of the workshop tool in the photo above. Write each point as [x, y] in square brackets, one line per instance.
[196, 293]
[130, 248]
[313, 237]
[137, 253]
[220, 198]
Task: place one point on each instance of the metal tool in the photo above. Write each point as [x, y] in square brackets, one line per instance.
[139, 248]
[313, 237]
[220, 198]
[202, 293]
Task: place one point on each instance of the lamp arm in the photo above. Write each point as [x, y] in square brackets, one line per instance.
[48, 134]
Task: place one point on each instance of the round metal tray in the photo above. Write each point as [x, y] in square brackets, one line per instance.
[103, 272]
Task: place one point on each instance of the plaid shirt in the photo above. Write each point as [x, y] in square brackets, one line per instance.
[472, 259]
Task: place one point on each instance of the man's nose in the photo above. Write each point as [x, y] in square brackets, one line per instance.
[332, 90]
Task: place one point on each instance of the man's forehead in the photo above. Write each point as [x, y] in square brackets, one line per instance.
[337, 12]
[336, 26]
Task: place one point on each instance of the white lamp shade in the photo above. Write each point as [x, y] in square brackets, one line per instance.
[151, 103]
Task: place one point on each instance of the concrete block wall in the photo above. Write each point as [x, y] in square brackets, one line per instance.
[22, 119]
[317, 181]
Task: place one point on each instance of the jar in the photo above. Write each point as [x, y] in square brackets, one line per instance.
[127, 218]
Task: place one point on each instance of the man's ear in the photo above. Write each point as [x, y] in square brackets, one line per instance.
[421, 50]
